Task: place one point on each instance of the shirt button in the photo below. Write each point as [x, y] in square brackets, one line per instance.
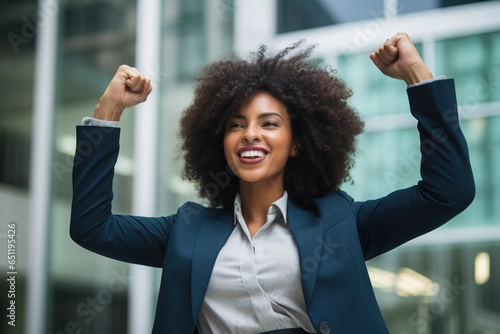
[325, 328]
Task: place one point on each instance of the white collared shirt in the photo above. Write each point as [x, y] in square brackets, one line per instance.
[255, 284]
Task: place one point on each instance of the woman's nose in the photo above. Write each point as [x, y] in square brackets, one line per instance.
[251, 134]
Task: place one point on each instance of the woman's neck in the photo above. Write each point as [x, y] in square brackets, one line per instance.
[256, 198]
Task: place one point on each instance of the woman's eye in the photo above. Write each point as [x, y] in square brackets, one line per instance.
[235, 125]
[270, 123]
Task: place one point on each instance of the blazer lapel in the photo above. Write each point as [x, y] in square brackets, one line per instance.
[307, 230]
[211, 237]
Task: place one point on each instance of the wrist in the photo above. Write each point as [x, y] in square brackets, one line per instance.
[417, 74]
[108, 110]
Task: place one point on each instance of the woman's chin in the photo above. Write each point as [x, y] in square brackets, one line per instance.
[244, 177]
[254, 178]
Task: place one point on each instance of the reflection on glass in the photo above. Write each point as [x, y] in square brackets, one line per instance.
[482, 268]
[431, 290]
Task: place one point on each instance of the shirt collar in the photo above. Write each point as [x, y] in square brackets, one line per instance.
[280, 205]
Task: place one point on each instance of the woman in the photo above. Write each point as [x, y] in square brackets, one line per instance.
[268, 141]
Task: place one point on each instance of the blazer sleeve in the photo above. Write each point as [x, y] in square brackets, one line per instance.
[446, 187]
[134, 239]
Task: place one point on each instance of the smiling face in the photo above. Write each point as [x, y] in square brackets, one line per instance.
[258, 140]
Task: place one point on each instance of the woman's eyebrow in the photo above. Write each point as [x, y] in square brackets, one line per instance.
[267, 114]
[263, 115]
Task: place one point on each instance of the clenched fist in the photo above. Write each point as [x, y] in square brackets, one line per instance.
[398, 58]
[127, 89]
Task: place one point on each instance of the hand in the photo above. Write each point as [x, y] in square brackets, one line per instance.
[127, 89]
[398, 58]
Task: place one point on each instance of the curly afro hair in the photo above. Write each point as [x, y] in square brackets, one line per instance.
[323, 124]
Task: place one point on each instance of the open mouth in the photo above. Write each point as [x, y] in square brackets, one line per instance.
[252, 155]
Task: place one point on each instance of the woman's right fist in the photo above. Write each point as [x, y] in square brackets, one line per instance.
[127, 89]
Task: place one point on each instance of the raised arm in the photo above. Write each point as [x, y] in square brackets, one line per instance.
[447, 185]
[93, 226]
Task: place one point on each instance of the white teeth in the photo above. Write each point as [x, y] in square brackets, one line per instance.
[251, 154]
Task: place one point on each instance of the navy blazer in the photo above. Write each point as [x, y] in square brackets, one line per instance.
[334, 237]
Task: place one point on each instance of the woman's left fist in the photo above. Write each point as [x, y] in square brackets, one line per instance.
[398, 58]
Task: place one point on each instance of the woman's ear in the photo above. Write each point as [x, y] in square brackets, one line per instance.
[296, 148]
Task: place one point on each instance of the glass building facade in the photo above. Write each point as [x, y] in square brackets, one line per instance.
[443, 282]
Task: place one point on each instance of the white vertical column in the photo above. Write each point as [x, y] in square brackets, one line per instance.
[215, 15]
[391, 8]
[429, 53]
[141, 310]
[41, 157]
[254, 24]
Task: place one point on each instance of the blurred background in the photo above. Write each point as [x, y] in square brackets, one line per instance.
[57, 57]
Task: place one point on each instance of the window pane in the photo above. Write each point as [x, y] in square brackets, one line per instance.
[393, 156]
[408, 6]
[191, 49]
[474, 63]
[305, 14]
[372, 91]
